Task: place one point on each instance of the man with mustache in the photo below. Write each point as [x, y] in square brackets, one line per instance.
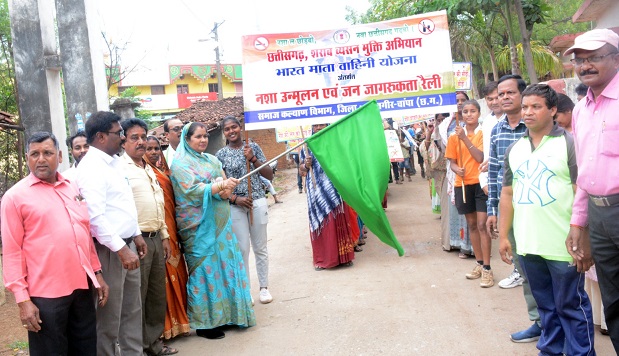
[79, 147]
[149, 202]
[508, 130]
[172, 129]
[42, 215]
[595, 126]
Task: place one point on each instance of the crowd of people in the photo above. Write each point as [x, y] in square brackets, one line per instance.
[538, 174]
[163, 237]
[154, 243]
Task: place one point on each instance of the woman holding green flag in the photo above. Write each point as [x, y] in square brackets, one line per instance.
[334, 231]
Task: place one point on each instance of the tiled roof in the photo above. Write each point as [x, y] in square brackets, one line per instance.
[209, 112]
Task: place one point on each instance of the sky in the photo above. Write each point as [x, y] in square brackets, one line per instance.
[156, 32]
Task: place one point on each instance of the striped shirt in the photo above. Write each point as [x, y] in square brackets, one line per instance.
[501, 138]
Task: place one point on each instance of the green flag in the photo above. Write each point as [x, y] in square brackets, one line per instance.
[353, 154]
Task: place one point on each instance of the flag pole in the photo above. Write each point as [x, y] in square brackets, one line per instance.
[272, 159]
[459, 159]
[251, 211]
[310, 170]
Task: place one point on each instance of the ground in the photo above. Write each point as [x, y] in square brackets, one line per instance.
[418, 304]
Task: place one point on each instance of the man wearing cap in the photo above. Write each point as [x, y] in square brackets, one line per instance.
[596, 132]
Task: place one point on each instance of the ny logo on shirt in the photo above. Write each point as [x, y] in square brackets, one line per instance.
[533, 179]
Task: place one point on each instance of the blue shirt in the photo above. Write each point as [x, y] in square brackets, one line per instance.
[501, 138]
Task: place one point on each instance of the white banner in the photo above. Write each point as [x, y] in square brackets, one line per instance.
[304, 78]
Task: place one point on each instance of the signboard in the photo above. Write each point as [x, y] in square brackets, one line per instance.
[462, 75]
[302, 78]
[185, 100]
[393, 146]
[284, 134]
[412, 119]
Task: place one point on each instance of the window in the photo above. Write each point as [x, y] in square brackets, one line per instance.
[121, 89]
[182, 89]
[157, 90]
[213, 88]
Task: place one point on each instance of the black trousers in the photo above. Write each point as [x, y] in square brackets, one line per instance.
[69, 325]
[604, 234]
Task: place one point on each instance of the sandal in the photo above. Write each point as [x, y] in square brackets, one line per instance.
[463, 255]
[361, 242]
[358, 248]
[167, 350]
[317, 268]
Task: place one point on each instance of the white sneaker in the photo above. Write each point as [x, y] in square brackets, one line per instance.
[512, 281]
[265, 296]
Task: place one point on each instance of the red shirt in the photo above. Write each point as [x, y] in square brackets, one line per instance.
[47, 248]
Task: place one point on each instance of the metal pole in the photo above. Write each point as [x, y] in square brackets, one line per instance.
[220, 92]
[271, 160]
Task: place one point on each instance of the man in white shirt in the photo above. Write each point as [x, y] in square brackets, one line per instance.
[491, 94]
[103, 183]
[172, 129]
[79, 147]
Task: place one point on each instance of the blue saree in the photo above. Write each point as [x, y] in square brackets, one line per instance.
[217, 289]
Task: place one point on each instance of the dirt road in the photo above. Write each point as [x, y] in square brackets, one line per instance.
[419, 304]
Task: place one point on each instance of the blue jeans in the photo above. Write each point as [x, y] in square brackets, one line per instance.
[563, 304]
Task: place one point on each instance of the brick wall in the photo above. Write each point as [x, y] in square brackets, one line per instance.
[271, 148]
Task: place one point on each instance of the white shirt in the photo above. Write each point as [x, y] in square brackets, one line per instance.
[70, 174]
[169, 155]
[104, 185]
[489, 122]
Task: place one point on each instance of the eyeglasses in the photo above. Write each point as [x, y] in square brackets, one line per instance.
[592, 60]
[176, 129]
[120, 132]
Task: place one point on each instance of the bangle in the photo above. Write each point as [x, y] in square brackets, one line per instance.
[471, 146]
[98, 272]
[580, 227]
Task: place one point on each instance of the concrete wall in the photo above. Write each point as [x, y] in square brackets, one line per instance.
[194, 86]
[610, 17]
[37, 65]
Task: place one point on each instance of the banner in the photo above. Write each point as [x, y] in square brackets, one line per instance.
[303, 78]
[412, 119]
[284, 134]
[462, 75]
[393, 146]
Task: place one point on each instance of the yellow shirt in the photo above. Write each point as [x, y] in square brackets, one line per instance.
[148, 196]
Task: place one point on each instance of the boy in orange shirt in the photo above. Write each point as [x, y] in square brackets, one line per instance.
[465, 153]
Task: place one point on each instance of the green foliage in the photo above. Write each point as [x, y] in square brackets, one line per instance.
[18, 345]
[131, 93]
[146, 115]
[545, 62]
[8, 101]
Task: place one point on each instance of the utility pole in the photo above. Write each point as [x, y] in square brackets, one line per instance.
[220, 92]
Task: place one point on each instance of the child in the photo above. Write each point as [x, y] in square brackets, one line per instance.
[465, 153]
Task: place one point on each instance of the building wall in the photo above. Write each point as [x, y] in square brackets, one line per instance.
[271, 148]
[194, 86]
[610, 17]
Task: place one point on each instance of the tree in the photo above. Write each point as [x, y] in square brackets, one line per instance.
[537, 12]
[114, 69]
[544, 61]
[477, 19]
